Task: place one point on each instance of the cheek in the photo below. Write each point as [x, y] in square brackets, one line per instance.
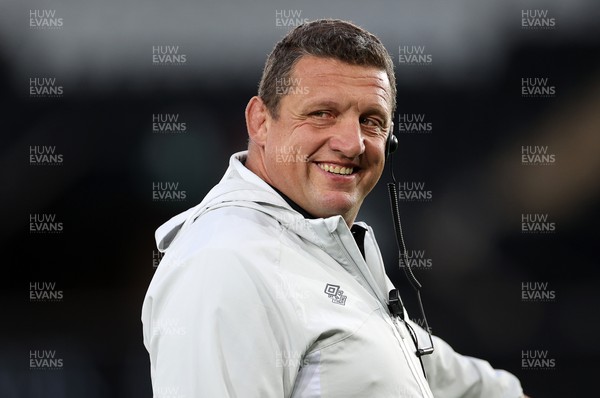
[281, 134]
[376, 162]
[376, 151]
[304, 140]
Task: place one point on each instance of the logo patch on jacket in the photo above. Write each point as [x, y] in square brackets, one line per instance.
[335, 294]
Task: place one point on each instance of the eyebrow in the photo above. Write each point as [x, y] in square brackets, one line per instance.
[321, 103]
[326, 103]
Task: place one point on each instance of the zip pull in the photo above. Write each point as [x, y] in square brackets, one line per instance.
[395, 306]
[396, 309]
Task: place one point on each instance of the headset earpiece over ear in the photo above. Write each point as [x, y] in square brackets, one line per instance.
[392, 143]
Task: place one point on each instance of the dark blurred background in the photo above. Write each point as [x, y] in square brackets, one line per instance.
[88, 280]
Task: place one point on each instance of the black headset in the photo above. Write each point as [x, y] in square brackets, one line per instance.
[391, 144]
[396, 307]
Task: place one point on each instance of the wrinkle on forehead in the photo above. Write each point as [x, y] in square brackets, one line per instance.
[331, 72]
[357, 81]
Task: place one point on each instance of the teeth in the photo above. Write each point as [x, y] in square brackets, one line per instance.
[336, 169]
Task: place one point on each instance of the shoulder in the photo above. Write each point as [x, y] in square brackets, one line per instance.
[231, 228]
[227, 252]
[226, 238]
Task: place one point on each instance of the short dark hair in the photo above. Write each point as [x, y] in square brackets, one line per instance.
[326, 38]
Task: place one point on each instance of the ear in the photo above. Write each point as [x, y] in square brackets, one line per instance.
[257, 120]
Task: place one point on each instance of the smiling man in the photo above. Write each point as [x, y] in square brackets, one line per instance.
[340, 123]
[269, 287]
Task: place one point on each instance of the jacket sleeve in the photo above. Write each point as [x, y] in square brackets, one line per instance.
[213, 329]
[452, 375]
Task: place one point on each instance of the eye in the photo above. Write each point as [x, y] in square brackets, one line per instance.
[371, 122]
[321, 114]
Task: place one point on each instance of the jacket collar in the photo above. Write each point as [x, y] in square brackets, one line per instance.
[240, 187]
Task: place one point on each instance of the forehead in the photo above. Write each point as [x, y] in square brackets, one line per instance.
[312, 67]
[336, 75]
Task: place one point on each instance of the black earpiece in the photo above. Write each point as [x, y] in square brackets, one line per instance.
[392, 143]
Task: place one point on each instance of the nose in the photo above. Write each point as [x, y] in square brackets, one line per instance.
[347, 138]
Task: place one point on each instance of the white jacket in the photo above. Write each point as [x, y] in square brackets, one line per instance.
[253, 300]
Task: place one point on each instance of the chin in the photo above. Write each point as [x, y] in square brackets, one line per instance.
[332, 206]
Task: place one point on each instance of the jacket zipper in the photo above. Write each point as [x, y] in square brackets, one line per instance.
[351, 259]
[421, 382]
[416, 373]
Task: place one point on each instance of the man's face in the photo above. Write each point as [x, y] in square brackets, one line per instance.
[325, 150]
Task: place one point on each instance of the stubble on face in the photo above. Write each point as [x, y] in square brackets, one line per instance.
[325, 149]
